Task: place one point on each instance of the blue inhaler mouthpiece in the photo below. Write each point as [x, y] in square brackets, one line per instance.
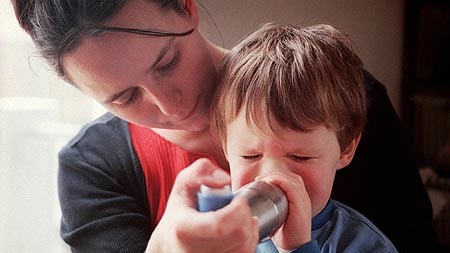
[211, 199]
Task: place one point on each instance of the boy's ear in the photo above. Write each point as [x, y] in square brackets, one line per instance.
[190, 7]
[347, 155]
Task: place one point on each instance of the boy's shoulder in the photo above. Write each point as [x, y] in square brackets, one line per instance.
[349, 229]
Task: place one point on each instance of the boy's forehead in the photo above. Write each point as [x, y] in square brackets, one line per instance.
[260, 124]
[242, 137]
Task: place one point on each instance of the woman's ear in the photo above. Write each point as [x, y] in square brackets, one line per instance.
[190, 7]
[347, 155]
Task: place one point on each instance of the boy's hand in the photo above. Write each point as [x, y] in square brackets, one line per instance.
[296, 230]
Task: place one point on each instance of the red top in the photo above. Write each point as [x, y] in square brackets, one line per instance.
[161, 161]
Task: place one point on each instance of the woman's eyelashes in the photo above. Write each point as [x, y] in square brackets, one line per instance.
[166, 68]
[128, 98]
[133, 97]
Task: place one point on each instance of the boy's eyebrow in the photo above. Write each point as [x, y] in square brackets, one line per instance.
[159, 57]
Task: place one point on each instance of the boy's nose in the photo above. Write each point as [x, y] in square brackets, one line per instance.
[270, 164]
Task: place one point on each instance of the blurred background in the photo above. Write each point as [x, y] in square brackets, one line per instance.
[404, 44]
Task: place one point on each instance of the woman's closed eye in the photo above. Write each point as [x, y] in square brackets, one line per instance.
[128, 98]
[167, 67]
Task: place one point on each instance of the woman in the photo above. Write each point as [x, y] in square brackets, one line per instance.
[146, 62]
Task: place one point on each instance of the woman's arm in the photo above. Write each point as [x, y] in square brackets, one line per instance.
[102, 191]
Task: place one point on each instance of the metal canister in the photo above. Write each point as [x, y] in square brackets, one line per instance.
[267, 202]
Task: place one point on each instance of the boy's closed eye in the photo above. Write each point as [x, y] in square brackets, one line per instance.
[295, 158]
[299, 159]
[251, 157]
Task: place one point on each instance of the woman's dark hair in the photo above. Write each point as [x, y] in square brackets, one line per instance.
[57, 26]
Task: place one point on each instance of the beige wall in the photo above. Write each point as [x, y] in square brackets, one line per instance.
[375, 25]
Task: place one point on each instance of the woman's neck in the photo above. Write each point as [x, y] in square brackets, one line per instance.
[195, 141]
[217, 53]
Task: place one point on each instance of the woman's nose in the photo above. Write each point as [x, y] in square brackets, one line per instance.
[167, 106]
[167, 101]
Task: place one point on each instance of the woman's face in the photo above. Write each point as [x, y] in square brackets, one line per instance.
[157, 82]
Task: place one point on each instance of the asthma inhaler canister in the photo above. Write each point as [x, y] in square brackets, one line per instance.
[266, 201]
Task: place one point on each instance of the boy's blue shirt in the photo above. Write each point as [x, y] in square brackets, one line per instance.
[339, 228]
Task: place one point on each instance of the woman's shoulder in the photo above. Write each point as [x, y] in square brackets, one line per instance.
[101, 149]
[104, 139]
[103, 130]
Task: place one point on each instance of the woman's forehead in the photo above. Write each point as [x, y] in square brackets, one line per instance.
[100, 64]
[146, 15]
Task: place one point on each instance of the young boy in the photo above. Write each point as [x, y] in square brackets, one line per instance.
[289, 110]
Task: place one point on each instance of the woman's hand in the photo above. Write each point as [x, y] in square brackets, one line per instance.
[183, 229]
[296, 230]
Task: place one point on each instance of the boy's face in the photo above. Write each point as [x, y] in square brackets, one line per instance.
[314, 155]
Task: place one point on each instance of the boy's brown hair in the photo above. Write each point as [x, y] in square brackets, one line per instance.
[297, 77]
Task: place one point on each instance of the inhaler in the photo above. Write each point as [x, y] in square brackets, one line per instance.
[266, 201]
